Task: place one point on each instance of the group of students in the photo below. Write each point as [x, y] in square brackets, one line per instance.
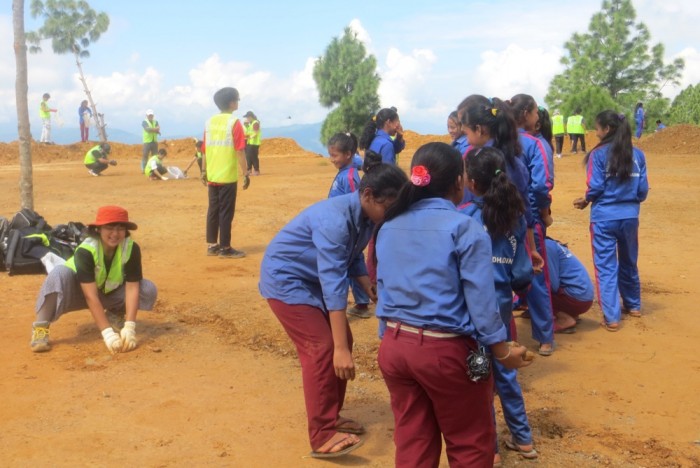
[448, 247]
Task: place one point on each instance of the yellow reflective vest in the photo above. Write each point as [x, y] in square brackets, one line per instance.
[44, 111]
[91, 158]
[574, 124]
[106, 281]
[150, 137]
[253, 137]
[558, 125]
[222, 164]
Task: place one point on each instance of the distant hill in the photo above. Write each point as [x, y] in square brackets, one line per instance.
[306, 136]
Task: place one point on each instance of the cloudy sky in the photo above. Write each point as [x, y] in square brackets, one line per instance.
[172, 56]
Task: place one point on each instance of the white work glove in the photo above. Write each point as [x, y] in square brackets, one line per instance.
[128, 335]
[112, 340]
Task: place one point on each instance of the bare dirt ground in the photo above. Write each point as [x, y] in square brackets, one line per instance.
[215, 381]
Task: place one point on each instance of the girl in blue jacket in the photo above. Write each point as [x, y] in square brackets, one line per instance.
[454, 128]
[379, 133]
[304, 277]
[541, 182]
[341, 149]
[617, 184]
[499, 208]
[436, 293]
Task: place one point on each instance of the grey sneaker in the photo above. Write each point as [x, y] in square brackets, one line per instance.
[40, 337]
[230, 252]
[213, 250]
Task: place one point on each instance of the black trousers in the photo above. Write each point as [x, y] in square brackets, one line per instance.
[558, 143]
[222, 205]
[575, 138]
[251, 157]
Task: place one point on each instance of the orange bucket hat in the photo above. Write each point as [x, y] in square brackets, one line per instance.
[113, 215]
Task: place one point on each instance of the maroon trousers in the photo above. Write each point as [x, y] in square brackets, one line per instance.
[561, 302]
[431, 396]
[324, 393]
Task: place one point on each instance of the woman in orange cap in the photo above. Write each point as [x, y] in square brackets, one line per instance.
[103, 275]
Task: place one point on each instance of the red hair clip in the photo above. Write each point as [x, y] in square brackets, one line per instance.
[420, 176]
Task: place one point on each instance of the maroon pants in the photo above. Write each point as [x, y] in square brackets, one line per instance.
[431, 396]
[561, 302]
[324, 393]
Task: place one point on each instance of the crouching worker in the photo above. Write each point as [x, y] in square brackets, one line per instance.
[96, 159]
[154, 169]
[104, 275]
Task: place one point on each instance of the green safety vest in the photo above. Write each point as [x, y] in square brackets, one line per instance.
[558, 125]
[105, 282]
[575, 124]
[253, 137]
[91, 158]
[147, 169]
[44, 112]
[222, 165]
[150, 137]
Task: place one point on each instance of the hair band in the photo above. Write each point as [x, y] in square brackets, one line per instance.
[494, 111]
[374, 118]
[420, 176]
[621, 117]
[498, 171]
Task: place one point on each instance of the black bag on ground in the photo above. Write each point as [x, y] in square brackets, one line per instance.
[24, 253]
[29, 218]
[65, 238]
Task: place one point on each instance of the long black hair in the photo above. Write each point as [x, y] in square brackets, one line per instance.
[444, 165]
[384, 180]
[376, 123]
[503, 205]
[497, 117]
[544, 125]
[620, 162]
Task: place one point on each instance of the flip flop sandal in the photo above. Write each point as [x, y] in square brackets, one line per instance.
[611, 327]
[567, 331]
[527, 454]
[547, 352]
[339, 453]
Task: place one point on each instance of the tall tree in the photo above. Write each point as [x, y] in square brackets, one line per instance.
[72, 25]
[686, 106]
[346, 77]
[26, 184]
[613, 63]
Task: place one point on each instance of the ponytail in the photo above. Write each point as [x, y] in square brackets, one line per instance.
[497, 118]
[376, 123]
[503, 205]
[620, 162]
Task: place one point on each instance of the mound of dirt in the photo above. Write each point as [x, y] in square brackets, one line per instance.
[177, 149]
[678, 139]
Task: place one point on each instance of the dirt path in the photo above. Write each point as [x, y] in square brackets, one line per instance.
[215, 381]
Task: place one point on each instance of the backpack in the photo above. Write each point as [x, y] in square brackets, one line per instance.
[24, 253]
[29, 218]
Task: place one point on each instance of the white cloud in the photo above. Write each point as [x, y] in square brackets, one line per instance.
[362, 34]
[405, 79]
[517, 70]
